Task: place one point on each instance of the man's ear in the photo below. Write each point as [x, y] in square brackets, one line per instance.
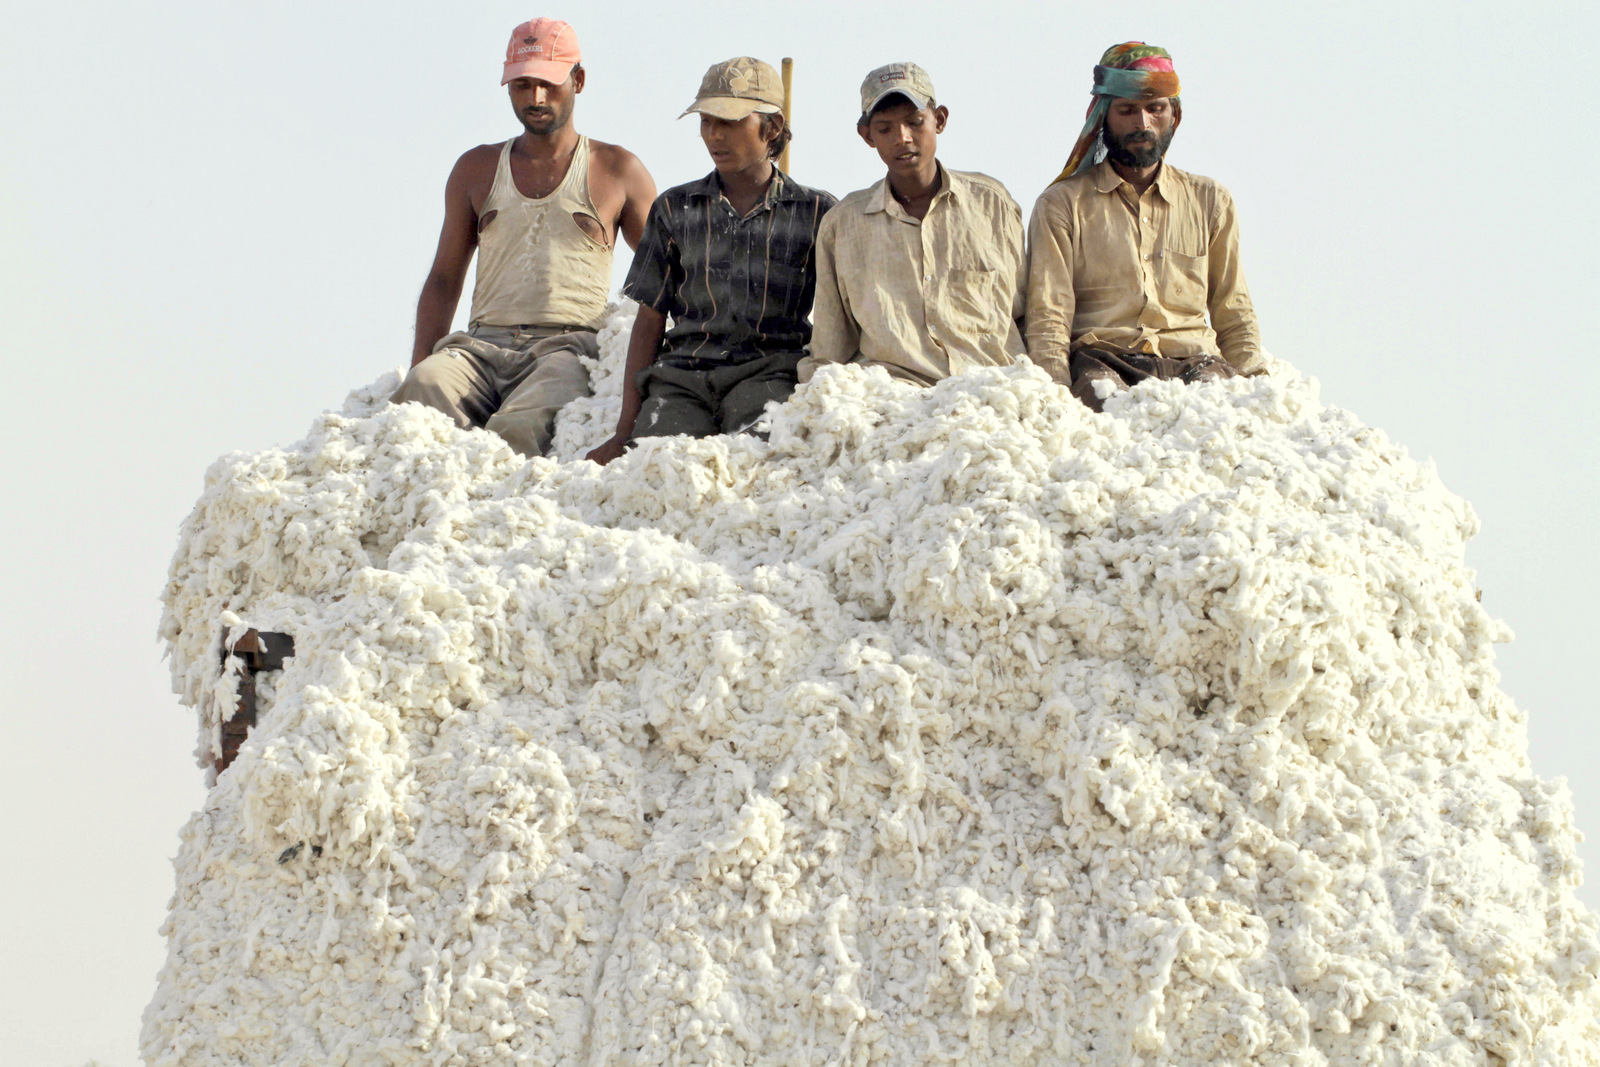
[865, 136]
[941, 116]
[578, 76]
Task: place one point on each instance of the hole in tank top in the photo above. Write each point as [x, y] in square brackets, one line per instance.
[590, 226]
[488, 217]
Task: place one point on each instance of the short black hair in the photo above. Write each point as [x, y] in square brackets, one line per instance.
[891, 100]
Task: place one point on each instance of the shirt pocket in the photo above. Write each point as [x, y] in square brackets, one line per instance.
[972, 302]
[1184, 280]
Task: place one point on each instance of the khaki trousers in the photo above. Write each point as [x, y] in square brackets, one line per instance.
[509, 379]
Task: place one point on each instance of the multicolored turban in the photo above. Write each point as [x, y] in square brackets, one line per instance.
[1132, 71]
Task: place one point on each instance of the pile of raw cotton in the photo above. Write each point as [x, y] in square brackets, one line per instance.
[947, 726]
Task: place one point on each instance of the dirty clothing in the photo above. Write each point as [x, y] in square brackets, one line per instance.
[922, 298]
[509, 379]
[705, 398]
[735, 288]
[1090, 366]
[1117, 272]
[535, 263]
[540, 295]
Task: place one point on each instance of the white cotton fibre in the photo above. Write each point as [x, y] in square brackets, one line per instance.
[956, 725]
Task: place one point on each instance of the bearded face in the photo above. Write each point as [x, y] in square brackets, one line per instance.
[1140, 148]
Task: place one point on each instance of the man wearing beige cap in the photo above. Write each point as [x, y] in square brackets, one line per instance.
[730, 259]
[543, 212]
[923, 274]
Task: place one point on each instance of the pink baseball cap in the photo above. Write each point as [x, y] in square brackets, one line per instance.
[546, 49]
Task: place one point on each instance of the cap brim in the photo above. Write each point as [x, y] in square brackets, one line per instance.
[916, 99]
[543, 69]
[732, 108]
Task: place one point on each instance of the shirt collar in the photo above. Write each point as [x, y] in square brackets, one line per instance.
[881, 197]
[782, 187]
[1106, 179]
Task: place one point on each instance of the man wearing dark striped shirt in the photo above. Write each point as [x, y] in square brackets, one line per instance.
[731, 260]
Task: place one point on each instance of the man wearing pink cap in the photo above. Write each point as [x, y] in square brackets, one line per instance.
[542, 211]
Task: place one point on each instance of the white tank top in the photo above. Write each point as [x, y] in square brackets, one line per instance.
[535, 265]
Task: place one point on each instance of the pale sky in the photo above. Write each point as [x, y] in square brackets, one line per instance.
[215, 218]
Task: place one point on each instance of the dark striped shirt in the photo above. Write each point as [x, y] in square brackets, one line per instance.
[735, 288]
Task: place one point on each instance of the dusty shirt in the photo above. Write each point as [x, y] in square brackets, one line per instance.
[536, 266]
[1126, 273]
[735, 288]
[924, 299]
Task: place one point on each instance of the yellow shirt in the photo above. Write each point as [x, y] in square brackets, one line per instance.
[925, 298]
[1126, 273]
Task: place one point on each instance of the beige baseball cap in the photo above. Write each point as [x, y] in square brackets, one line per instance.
[738, 87]
[907, 79]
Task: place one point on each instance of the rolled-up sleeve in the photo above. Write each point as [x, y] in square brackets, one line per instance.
[1050, 298]
[1233, 317]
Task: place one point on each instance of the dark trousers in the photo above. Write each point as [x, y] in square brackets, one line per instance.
[1090, 365]
[702, 398]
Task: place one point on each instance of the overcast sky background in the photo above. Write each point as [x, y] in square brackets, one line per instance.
[215, 218]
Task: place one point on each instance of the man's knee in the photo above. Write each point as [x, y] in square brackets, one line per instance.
[564, 373]
[745, 402]
[673, 414]
[423, 380]
[441, 382]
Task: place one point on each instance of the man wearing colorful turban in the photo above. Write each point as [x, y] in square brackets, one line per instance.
[1130, 256]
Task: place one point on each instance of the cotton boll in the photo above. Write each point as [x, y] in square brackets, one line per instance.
[947, 724]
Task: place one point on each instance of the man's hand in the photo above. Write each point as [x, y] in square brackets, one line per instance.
[649, 326]
[609, 451]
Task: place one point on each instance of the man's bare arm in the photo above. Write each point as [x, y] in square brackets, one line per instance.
[649, 327]
[640, 191]
[436, 307]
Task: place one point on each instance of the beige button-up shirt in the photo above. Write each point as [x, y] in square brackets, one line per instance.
[925, 298]
[1126, 273]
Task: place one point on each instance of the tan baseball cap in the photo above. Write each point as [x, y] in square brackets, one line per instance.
[907, 79]
[546, 49]
[738, 87]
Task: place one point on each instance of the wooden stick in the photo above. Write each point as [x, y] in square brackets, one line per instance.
[788, 108]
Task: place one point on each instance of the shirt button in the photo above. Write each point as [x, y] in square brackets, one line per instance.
[1147, 255]
[927, 277]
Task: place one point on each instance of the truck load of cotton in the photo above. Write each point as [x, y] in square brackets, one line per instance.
[956, 725]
